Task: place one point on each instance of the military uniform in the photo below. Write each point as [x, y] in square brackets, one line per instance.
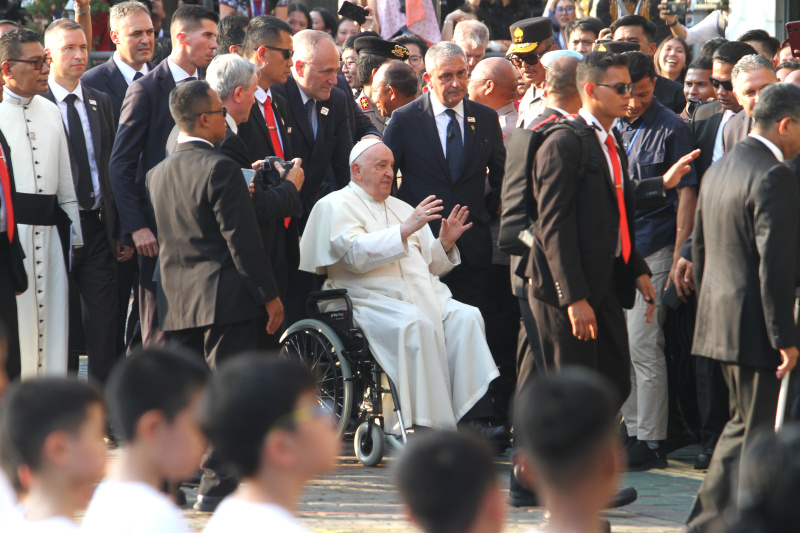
[371, 111]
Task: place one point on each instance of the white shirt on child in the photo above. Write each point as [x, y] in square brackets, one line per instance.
[10, 514]
[131, 507]
[57, 524]
[240, 516]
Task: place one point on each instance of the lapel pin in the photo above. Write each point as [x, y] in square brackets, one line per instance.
[472, 126]
[289, 129]
[94, 108]
[92, 102]
[324, 110]
[470, 119]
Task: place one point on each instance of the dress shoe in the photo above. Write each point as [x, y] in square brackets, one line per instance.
[677, 442]
[703, 459]
[498, 436]
[624, 496]
[519, 495]
[641, 457]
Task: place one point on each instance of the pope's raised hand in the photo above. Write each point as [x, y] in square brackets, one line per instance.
[426, 211]
[454, 226]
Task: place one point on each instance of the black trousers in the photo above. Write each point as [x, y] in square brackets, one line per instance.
[94, 271]
[530, 357]
[8, 307]
[148, 299]
[753, 403]
[468, 283]
[712, 400]
[218, 342]
[608, 354]
[127, 286]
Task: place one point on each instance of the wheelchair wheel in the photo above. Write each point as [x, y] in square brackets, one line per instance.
[370, 445]
[317, 347]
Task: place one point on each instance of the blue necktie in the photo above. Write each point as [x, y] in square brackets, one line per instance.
[309, 112]
[137, 76]
[455, 146]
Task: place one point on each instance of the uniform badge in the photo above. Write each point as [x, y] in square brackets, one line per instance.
[601, 48]
[518, 34]
[364, 103]
[400, 52]
[324, 111]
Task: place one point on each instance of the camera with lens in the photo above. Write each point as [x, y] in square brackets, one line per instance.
[272, 172]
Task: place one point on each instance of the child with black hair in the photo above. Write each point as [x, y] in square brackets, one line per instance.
[9, 511]
[568, 450]
[51, 440]
[153, 398]
[448, 483]
[265, 422]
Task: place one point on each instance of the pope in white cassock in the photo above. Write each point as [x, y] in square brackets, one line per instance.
[383, 252]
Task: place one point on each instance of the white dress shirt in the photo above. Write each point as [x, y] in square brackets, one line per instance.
[60, 93]
[772, 148]
[126, 70]
[443, 119]
[188, 139]
[178, 74]
[719, 151]
[313, 111]
[261, 98]
[3, 216]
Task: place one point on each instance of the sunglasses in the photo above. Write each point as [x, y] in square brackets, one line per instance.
[727, 85]
[223, 110]
[287, 53]
[619, 88]
[37, 63]
[518, 59]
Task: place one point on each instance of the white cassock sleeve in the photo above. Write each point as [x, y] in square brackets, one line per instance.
[441, 262]
[376, 249]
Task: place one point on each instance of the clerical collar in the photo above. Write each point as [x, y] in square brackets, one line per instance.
[12, 98]
[368, 200]
[178, 74]
[126, 70]
[60, 92]
[364, 195]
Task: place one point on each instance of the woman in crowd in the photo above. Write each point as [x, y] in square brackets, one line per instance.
[323, 20]
[299, 18]
[672, 57]
[562, 12]
[345, 29]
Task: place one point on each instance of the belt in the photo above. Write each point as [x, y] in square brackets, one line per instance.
[35, 209]
[98, 214]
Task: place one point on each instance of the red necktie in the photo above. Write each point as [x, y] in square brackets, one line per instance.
[624, 235]
[269, 116]
[6, 182]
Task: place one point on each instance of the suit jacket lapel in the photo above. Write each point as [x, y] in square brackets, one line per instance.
[299, 111]
[258, 118]
[469, 137]
[94, 122]
[279, 121]
[428, 123]
[116, 81]
[165, 79]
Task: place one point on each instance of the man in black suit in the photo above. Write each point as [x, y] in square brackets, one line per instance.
[750, 76]
[132, 33]
[747, 225]
[89, 124]
[13, 279]
[235, 81]
[442, 145]
[639, 30]
[707, 126]
[584, 267]
[145, 124]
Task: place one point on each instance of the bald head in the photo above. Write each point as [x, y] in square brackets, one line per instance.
[561, 87]
[493, 82]
[793, 78]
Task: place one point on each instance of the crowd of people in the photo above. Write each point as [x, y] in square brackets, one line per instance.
[503, 196]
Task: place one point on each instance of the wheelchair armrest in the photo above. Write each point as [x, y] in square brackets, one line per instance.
[333, 294]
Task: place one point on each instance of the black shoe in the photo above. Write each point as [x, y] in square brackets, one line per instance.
[641, 457]
[499, 436]
[703, 459]
[623, 496]
[206, 504]
[521, 496]
[677, 442]
[630, 441]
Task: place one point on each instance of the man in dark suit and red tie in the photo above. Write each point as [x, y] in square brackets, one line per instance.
[442, 145]
[13, 279]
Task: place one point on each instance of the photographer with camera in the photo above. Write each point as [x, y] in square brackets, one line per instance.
[714, 25]
[275, 185]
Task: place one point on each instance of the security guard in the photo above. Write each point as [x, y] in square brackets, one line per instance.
[372, 53]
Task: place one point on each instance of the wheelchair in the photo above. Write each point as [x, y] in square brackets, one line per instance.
[350, 382]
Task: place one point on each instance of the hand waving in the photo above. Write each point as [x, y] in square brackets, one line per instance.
[427, 210]
[453, 227]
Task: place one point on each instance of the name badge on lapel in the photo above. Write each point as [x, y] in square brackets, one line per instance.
[470, 119]
[324, 110]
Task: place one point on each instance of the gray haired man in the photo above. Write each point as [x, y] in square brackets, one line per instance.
[750, 76]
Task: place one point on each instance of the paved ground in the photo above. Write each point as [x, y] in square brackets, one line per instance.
[356, 498]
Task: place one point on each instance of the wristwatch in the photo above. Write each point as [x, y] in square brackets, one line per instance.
[673, 24]
[79, 12]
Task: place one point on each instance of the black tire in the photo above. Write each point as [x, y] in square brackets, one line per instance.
[317, 347]
[369, 445]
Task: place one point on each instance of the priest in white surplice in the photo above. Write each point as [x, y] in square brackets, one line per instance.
[382, 251]
[40, 157]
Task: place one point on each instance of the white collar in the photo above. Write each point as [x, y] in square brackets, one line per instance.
[126, 70]
[554, 108]
[769, 144]
[18, 100]
[178, 74]
[182, 138]
[262, 95]
[60, 92]
[231, 123]
[303, 94]
[439, 108]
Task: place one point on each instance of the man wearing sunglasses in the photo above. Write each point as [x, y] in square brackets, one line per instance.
[531, 39]
[44, 191]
